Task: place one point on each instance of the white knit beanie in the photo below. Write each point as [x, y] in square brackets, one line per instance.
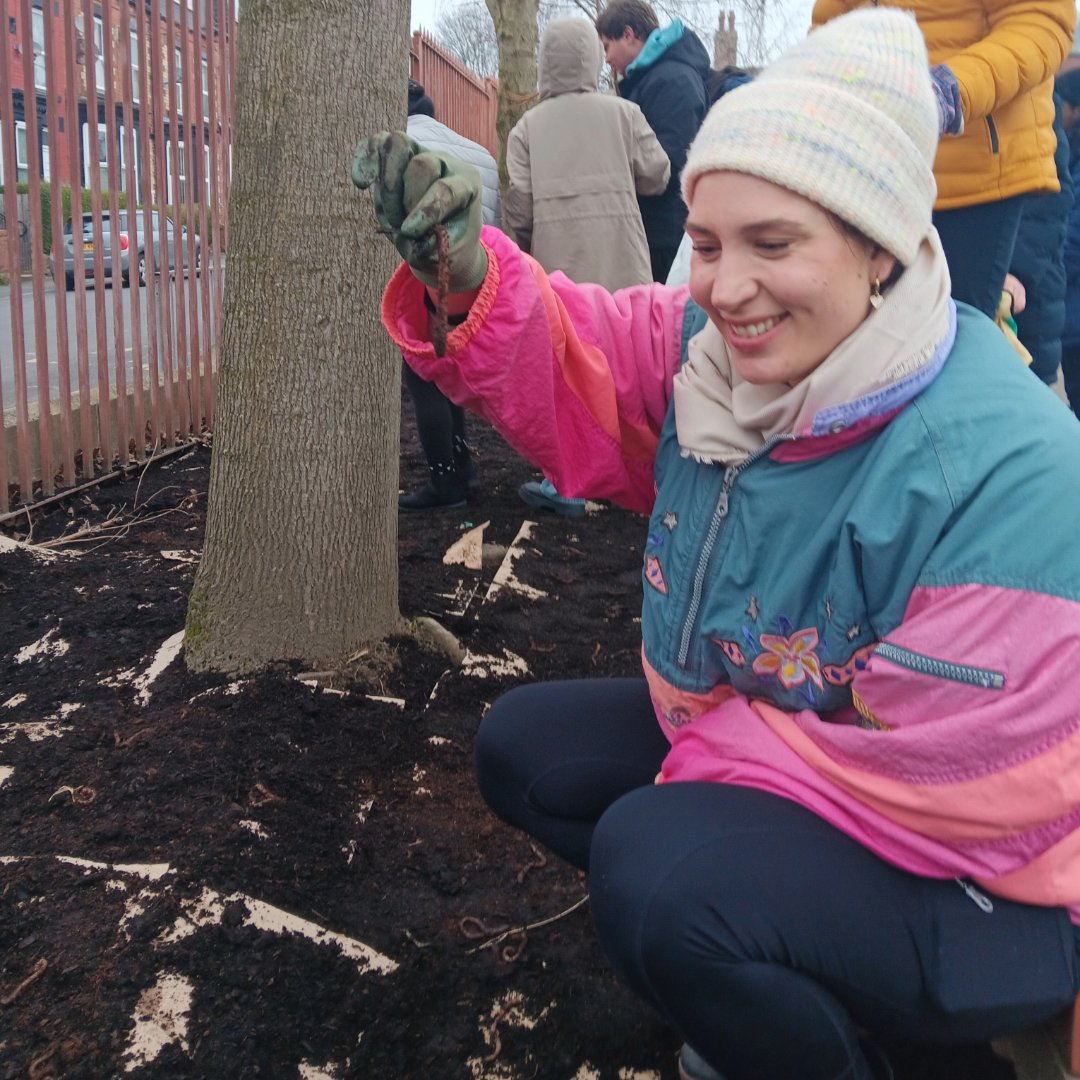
[846, 118]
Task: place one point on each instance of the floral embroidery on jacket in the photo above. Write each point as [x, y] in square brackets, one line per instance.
[654, 575]
[791, 659]
[842, 674]
[731, 650]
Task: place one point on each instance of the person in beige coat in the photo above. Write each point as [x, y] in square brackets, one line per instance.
[577, 162]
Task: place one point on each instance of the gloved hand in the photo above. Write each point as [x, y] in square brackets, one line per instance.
[947, 93]
[414, 190]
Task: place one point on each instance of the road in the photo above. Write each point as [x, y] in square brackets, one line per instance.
[7, 366]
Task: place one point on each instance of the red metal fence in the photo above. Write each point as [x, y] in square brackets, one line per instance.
[108, 348]
[463, 101]
[120, 111]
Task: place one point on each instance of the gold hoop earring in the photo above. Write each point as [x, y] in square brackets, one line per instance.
[876, 299]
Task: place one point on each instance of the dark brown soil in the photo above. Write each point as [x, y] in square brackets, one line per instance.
[353, 814]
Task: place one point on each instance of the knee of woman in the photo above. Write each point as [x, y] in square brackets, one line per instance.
[499, 745]
[629, 893]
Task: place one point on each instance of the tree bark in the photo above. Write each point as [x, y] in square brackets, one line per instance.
[515, 31]
[300, 556]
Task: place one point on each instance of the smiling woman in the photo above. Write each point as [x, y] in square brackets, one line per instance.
[782, 284]
[836, 790]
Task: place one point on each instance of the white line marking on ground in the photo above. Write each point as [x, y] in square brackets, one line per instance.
[210, 906]
[168, 652]
[160, 1019]
[43, 647]
[504, 576]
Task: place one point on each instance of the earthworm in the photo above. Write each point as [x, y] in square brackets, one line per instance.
[439, 322]
[35, 973]
[537, 863]
[473, 928]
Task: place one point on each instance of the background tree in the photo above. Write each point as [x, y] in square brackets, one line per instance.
[765, 27]
[516, 35]
[300, 556]
[467, 29]
[468, 32]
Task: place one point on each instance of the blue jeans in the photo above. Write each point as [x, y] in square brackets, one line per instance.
[761, 933]
[978, 243]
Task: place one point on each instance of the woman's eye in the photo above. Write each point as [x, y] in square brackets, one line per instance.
[772, 247]
[706, 250]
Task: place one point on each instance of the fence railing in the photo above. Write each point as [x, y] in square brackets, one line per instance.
[463, 101]
[21, 225]
[115, 136]
[116, 125]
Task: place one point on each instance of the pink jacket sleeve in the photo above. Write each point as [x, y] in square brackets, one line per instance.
[968, 758]
[575, 378]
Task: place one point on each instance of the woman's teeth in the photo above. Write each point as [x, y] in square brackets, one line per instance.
[755, 329]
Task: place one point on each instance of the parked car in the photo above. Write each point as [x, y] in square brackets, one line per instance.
[132, 243]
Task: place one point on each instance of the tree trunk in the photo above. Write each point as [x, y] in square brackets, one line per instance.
[515, 30]
[300, 557]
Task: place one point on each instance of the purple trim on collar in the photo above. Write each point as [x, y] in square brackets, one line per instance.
[808, 448]
[890, 399]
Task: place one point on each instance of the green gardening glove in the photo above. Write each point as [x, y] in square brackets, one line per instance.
[414, 190]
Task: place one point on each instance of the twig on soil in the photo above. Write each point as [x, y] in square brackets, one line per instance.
[260, 795]
[81, 796]
[415, 940]
[122, 742]
[30, 526]
[35, 973]
[153, 451]
[504, 934]
[118, 530]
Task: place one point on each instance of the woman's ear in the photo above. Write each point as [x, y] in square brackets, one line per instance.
[882, 265]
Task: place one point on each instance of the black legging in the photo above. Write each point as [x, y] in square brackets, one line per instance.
[438, 420]
[762, 934]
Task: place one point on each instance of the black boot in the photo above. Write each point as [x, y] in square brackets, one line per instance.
[444, 491]
[466, 471]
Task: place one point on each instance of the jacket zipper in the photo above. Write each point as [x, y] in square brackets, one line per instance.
[719, 513]
[943, 669]
[992, 128]
[979, 899]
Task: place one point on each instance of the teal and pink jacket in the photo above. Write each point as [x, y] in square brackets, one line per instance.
[877, 617]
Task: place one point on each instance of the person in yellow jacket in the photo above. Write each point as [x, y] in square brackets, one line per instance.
[993, 64]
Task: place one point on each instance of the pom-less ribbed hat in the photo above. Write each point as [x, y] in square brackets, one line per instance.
[846, 118]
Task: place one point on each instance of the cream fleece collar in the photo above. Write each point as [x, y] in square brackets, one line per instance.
[721, 418]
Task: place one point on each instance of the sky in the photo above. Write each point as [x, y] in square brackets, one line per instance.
[425, 12]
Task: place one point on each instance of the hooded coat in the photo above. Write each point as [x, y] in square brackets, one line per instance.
[576, 163]
[433, 135]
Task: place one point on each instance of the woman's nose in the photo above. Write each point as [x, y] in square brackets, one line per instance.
[732, 284]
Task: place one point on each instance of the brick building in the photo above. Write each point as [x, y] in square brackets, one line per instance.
[160, 70]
